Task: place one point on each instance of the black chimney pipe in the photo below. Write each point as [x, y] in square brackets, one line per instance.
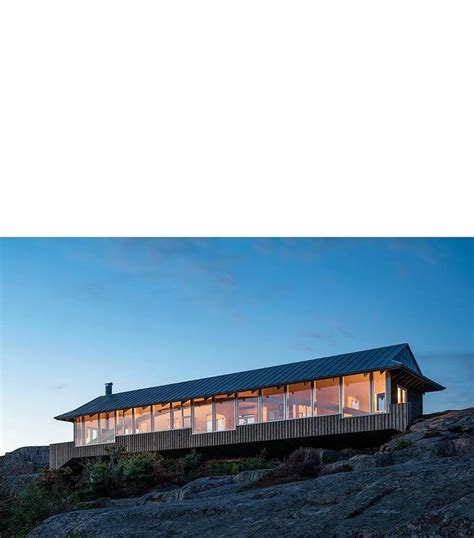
[108, 389]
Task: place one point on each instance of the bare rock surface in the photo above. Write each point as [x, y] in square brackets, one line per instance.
[22, 465]
[420, 483]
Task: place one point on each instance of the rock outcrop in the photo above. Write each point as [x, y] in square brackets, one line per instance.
[421, 483]
[22, 465]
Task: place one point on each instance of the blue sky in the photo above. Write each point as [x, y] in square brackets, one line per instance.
[76, 313]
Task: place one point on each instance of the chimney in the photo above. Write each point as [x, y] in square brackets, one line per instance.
[108, 389]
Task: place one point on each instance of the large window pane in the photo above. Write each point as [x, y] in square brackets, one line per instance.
[120, 422]
[202, 416]
[143, 419]
[107, 427]
[161, 417]
[273, 404]
[326, 397]
[78, 432]
[181, 415]
[91, 429]
[225, 413]
[247, 407]
[356, 395]
[128, 421]
[380, 392]
[187, 414]
[299, 400]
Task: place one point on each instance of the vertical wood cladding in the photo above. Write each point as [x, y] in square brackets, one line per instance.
[398, 419]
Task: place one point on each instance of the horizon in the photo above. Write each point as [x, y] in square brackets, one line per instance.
[77, 313]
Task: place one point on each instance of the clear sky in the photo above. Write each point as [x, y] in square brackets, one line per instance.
[76, 313]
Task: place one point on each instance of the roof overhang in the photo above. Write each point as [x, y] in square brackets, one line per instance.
[416, 381]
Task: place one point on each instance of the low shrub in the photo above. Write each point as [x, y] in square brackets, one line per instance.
[403, 443]
[31, 506]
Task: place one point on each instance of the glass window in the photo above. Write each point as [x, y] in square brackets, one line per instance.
[401, 395]
[143, 419]
[161, 417]
[326, 397]
[273, 404]
[356, 395]
[379, 399]
[78, 431]
[120, 422]
[247, 407]
[107, 427]
[128, 421]
[186, 414]
[225, 413]
[91, 429]
[177, 415]
[202, 416]
[299, 400]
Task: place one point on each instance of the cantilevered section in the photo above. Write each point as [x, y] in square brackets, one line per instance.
[378, 359]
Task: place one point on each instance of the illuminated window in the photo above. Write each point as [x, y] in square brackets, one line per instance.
[402, 396]
[107, 427]
[78, 431]
[142, 419]
[120, 422]
[187, 414]
[161, 417]
[247, 407]
[273, 404]
[326, 397]
[202, 416]
[356, 395]
[299, 400]
[380, 391]
[128, 422]
[181, 415]
[91, 429]
[225, 413]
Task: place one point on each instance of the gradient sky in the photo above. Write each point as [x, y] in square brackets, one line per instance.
[76, 313]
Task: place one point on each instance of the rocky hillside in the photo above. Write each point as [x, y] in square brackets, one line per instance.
[20, 466]
[420, 483]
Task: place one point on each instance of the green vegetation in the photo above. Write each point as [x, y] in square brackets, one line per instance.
[403, 443]
[117, 475]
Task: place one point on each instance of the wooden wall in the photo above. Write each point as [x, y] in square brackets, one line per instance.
[397, 419]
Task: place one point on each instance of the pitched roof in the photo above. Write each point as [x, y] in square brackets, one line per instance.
[383, 358]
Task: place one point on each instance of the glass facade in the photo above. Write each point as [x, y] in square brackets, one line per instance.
[202, 416]
[349, 396]
[326, 397]
[107, 427]
[128, 422]
[225, 413]
[142, 419]
[379, 396]
[120, 423]
[273, 404]
[247, 407]
[91, 429]
[299, 400]
[78, 431]
[356, 395]
[161, 417]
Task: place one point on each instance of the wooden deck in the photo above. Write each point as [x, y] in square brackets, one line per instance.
[398, 418]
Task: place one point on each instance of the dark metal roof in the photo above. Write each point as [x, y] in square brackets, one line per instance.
[384, 358]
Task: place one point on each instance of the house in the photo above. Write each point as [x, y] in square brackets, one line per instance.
[314, 401]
